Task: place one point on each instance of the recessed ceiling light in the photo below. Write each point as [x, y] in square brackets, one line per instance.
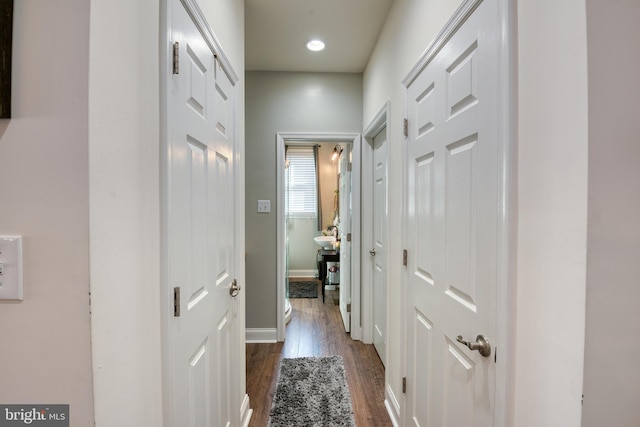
[315, 45]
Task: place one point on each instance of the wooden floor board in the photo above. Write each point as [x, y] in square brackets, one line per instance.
[316, 329]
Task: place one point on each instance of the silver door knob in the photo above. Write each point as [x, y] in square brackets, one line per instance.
[372, 252]
[234, 289]
[482, 345]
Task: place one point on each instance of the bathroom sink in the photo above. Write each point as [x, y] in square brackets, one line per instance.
[326, 242]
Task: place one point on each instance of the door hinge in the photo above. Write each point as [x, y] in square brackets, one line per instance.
[348, 237]
[404, 257]
[176, 301]
[349, 167]
[404, 385]
[176, 58]
[349, 308]
[405, 127]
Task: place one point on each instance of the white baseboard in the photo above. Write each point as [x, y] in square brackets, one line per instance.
[392, 405]
[245, 412]
[303, 273]
[260, 335]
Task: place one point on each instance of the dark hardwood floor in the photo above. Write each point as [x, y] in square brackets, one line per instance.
[316, 329]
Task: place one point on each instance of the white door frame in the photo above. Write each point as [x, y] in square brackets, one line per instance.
[378, 123]
[166, 52]
[504, 348]
[282, 139]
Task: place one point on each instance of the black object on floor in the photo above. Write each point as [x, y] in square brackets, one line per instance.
[303, 289]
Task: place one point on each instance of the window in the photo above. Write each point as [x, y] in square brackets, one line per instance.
[300, 191]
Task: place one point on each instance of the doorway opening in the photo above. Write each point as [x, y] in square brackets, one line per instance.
[314, 218]
[346, 230]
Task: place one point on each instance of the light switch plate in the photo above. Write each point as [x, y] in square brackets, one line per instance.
[264, 206]
[11, 260]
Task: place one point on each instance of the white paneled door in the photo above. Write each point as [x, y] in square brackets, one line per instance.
[200, 222]
[454, 210]
[378, 253]
[345, 212]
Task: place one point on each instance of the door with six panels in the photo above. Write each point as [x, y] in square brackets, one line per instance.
[199, 220]
[454, 206]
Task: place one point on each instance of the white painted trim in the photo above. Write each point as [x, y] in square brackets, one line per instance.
[165, 319]
[459, 17]
[245, 411]
[260, 335]
[356, 238]
[378, 123]
[507, 227]
[392, 405]
[210, 38]
[303, 138]
[281, 267]
[366, 284]
[311, 274]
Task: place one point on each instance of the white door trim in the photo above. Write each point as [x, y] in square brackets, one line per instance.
[210, 38]
[283, 138]
[378, 123]
[506, 261]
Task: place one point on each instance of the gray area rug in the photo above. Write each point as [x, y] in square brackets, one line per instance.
[303, 289]
[312, 391]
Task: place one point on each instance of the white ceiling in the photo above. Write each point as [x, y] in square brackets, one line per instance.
[276, 32]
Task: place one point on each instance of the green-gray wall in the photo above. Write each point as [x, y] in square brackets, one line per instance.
[284, 102]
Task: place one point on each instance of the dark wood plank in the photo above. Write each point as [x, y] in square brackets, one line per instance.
[263, 377]
[316, 329]
[6, 36]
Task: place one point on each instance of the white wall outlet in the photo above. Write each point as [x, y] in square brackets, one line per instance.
[11, 270]
[264, 206]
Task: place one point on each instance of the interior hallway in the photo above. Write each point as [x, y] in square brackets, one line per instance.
[316, 329]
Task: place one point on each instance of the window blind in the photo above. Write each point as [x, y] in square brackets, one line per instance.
[300, 193]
